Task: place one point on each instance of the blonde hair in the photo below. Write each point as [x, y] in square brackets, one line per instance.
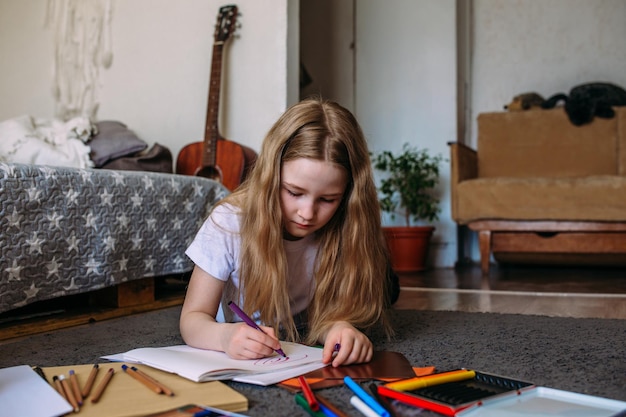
[352, 262]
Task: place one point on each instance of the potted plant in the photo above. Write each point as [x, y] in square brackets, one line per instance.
[407, 188]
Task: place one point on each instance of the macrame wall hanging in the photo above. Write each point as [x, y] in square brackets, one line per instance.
[82, 45]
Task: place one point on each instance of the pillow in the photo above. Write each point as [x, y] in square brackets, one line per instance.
[13, 133]
[26, 140]
[113, 140]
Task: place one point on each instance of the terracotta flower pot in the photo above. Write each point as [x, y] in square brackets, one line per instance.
[408, 247]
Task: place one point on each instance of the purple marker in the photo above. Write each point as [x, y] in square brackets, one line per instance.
[336, 349]
[243, 316]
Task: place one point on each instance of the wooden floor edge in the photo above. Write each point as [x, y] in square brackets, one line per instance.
[71, 319]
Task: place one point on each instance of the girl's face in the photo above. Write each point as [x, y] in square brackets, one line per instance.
[310, 194]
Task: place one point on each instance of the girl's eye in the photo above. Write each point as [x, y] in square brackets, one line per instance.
[328, 200]
[291, 193]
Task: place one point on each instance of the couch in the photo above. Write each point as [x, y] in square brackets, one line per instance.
[540, 189]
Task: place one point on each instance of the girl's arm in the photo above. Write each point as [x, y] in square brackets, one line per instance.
[354, 346]
[199, 328]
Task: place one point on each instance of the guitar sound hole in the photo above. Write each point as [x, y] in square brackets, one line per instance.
[210, 172]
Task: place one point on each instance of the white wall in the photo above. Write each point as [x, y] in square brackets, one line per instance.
[544, 46]
[25, 60]
[158, 82]
[406, 89]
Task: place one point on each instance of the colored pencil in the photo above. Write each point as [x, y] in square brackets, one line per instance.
[68, 393]
[149, 384]
[165, 389]
[75, 387]
[90, 380]
[100, 389]
[59, 387]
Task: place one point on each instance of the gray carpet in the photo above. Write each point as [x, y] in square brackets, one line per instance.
[581, 355]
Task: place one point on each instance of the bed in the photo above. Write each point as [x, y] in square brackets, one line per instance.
[66, 230]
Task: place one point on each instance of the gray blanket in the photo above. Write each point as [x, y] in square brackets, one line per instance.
[67, 230]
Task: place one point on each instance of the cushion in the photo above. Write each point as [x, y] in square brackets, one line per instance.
[42, 142]
[544, 143]
[113, 140]
[592, 198]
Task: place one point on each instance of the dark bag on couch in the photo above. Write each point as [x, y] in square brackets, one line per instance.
[156, 159]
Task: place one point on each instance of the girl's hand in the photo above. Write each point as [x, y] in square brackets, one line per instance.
[355, 347]
[199, 328]
[240, 341]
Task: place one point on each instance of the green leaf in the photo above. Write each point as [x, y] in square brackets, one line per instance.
[409, 184]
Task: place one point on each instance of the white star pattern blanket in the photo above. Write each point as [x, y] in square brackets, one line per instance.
[69, 230]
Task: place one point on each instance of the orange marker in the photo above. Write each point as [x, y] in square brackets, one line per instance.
[430, 380]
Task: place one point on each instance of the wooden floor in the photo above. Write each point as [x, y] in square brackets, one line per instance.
[549, 291]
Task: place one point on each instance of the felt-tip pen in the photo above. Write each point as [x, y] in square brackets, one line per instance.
[336, 349]
[302, 402]
[430, 380]
[363, 408]
[364, 397]
[308, 394]
[243, 316]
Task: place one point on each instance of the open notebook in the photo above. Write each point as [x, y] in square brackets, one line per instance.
[201, 365]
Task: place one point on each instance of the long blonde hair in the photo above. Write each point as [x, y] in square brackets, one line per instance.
[352, 261]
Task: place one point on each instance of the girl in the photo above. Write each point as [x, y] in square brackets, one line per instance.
[299, 244]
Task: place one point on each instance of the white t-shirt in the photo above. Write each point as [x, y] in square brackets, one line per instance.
[216, 249]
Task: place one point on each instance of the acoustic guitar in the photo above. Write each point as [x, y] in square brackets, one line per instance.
[216, 157]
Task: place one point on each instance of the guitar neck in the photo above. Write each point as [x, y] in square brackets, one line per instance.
[211, 132]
